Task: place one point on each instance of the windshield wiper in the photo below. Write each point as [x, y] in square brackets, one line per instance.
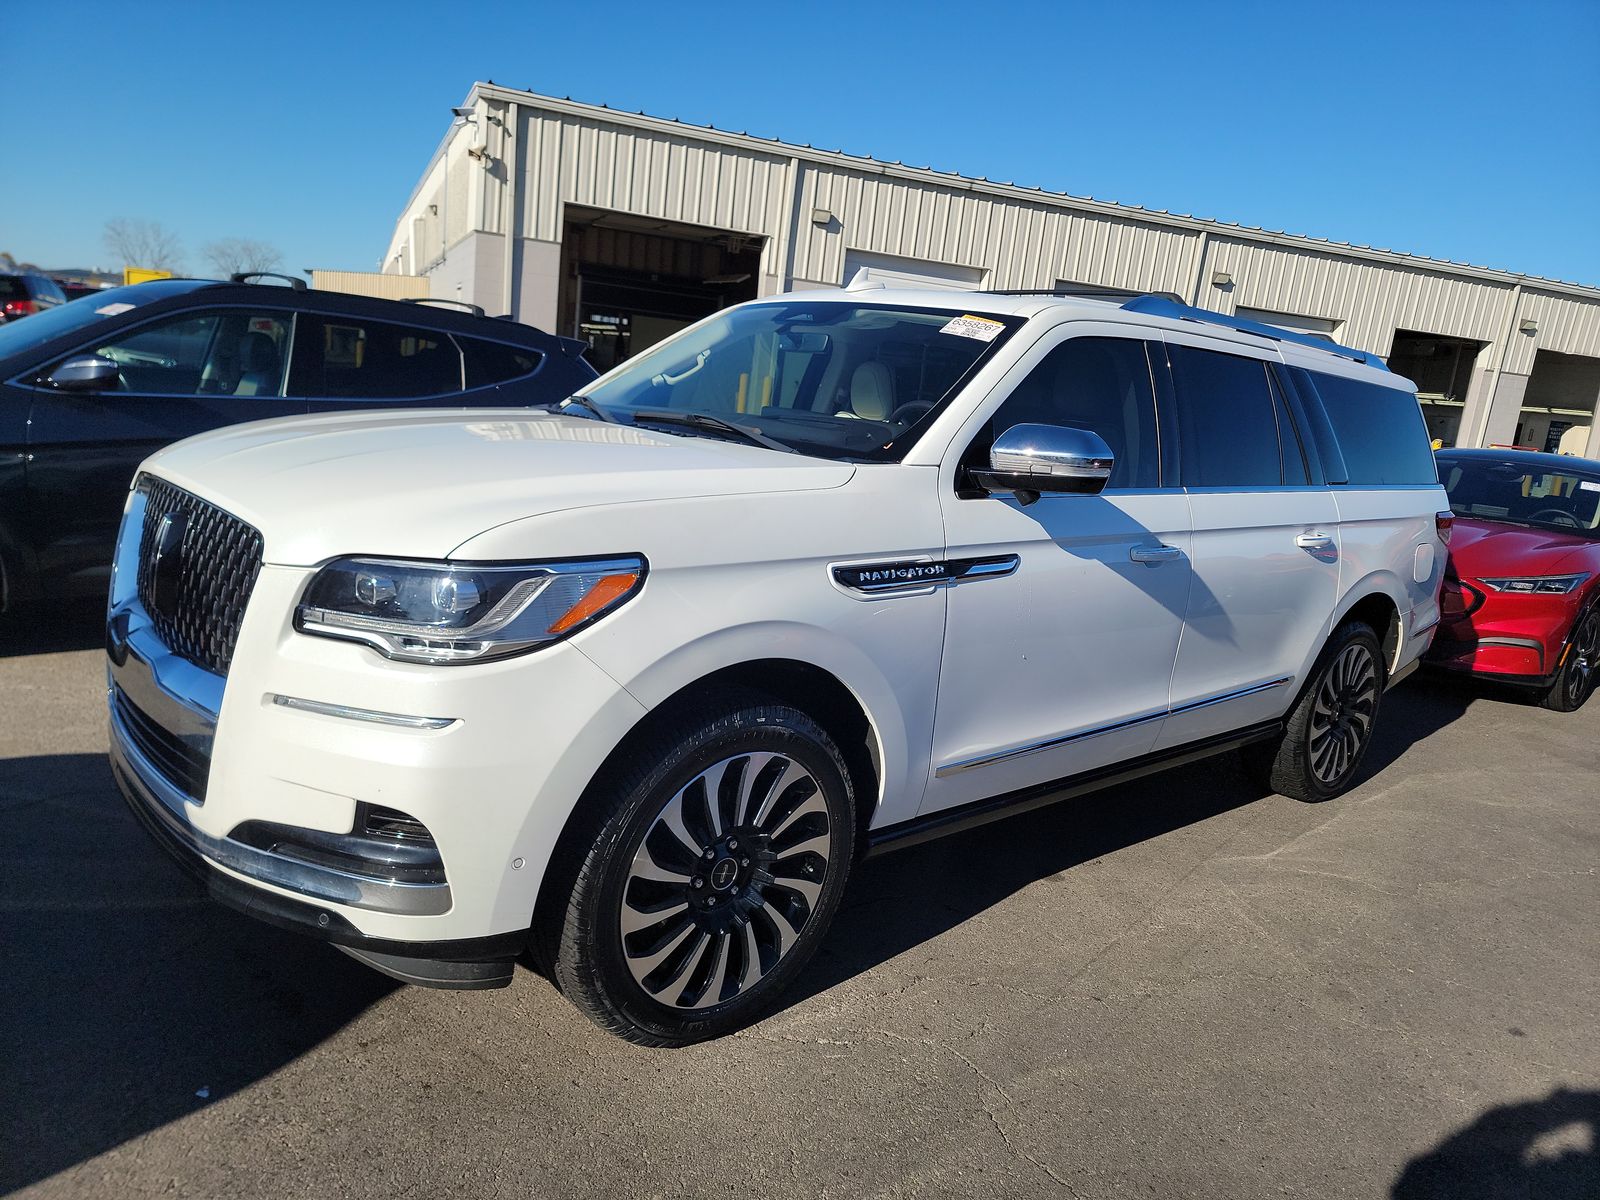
[587, 405]
[705, 421]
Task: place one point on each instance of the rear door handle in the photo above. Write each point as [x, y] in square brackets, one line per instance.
[1154, 554]
[1314, 541]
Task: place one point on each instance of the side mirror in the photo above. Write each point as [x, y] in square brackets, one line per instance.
[87, 373]
[1030, 459]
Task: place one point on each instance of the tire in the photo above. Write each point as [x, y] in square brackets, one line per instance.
[1326, 735]
[722, 850]
[1580, 666]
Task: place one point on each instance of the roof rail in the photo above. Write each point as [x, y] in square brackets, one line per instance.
[1090, 290]
[1157, 305]
[294, 281]
[475, 309]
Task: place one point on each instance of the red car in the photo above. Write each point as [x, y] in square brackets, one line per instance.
[1522, 593]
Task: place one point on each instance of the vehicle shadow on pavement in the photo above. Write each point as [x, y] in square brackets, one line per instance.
[80, 625]
[1547, 1148]
[908, 897]
[131, 1000]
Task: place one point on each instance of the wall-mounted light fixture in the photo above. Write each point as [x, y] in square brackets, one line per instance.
[433, 210]
[821, 216]
[1221, 279]
[1528, 325]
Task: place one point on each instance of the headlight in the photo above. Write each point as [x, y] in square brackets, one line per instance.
[462, 612]
[1544, 585]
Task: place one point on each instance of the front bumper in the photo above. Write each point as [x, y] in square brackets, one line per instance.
[208, 763]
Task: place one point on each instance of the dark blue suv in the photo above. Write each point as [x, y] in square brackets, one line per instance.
[90, 388]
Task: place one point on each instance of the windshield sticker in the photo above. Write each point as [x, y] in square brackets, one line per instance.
[111, 310]
[969, 326]
[1588, 485]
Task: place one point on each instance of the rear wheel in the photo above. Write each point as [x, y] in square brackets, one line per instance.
[1580, 668]
[713, 877]
[1330, 727]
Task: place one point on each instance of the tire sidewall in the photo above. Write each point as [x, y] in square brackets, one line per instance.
[1557, 698]
[1343, 639]
[766, 728]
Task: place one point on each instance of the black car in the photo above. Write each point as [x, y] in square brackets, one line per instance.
[90, 388]
[24, 293]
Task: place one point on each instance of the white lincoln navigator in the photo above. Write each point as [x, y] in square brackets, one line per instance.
[627, 686]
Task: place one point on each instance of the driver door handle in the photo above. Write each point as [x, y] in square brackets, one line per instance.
[1154, 554]
[1314, 541]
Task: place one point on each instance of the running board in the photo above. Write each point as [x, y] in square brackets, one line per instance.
[998, 808]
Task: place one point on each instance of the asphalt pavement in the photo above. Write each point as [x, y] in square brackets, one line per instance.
[1178, 988]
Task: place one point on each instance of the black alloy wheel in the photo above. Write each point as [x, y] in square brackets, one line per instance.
[716, 856]
[1580, 665]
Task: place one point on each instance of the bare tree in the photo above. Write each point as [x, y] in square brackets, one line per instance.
[231, 255]
[140, 243]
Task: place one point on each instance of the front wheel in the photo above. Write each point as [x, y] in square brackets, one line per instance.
[1330, 727]
[1580, 667]
[713, 877]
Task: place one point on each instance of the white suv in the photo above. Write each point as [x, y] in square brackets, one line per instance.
[629, 686]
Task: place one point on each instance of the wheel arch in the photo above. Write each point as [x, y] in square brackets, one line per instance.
[1378, 601]
[808, 686]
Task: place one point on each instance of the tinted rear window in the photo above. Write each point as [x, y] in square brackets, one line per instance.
[373, 360]
[489, 363]
[1227, 420]
[12, 288]
[1380, 430]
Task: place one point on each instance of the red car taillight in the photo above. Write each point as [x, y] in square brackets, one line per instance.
[1443, 523]
[1457, 599]
[18, 308]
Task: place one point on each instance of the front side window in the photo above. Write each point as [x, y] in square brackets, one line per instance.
[832, 378]
[1094, 383]
[1227, 420]
[1517, 494]
[351, 358]
[1380, 429]
[223, 352]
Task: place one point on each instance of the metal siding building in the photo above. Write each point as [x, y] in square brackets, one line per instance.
[624, 227]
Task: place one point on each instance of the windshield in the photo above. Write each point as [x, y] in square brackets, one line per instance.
[839, 380]
[18, 336]
[1521, 494]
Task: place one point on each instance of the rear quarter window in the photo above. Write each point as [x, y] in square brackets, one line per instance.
[1380, 430]
[489, 363]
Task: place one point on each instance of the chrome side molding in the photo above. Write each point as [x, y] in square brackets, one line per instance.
[1066, 739]
[908, 575]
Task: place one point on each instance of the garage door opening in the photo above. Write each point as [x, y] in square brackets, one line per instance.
[628, 281]
[1558, 407]
[1441, 367]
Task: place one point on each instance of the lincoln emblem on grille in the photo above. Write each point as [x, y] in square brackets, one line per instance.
[168, 564]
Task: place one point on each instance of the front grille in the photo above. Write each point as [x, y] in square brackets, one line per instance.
[197, 601]
[181, 764]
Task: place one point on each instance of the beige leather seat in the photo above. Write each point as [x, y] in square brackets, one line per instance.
[871, 392]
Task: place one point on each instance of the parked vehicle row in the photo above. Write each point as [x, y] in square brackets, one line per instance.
[90, 388]
[630, 686]
[24, 293]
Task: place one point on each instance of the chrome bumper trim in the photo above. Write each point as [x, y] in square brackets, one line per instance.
[170, 807]
[323, 708]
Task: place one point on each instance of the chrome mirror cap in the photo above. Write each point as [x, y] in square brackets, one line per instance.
[1029, 459]
[86, 373]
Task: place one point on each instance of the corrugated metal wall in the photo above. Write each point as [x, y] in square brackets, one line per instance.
[561, 153]
[370, 283]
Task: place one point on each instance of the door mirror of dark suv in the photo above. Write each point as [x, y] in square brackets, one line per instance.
[86, 373]
[1030, 459]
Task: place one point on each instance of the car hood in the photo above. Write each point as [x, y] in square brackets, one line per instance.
[419, 484]
[1483, 549]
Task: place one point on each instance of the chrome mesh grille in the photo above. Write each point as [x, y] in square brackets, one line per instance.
[197, 611]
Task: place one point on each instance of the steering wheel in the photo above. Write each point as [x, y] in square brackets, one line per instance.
[910, 411]
[1556, 516]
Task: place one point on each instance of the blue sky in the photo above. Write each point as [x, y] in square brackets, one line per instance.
[1462, 130]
